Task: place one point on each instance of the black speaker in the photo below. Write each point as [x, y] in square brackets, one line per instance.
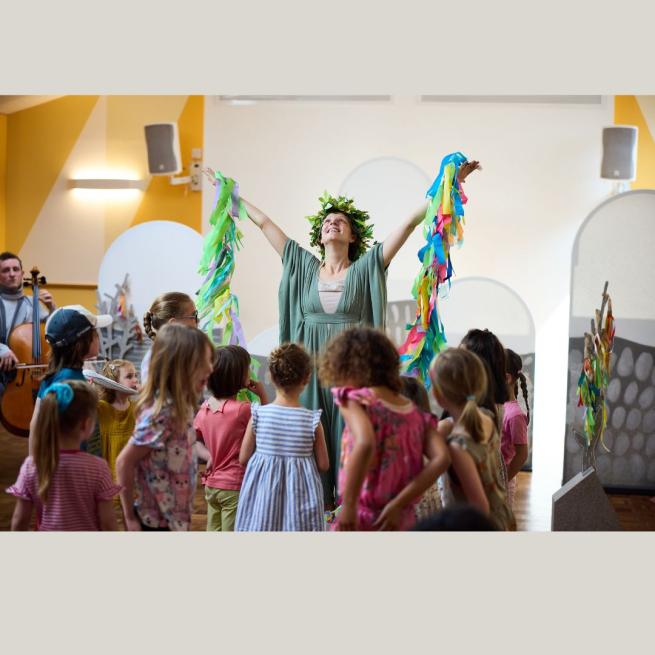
[582, 504]
[163, 144]
[619, 153]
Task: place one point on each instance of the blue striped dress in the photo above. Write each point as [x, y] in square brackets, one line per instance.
[282, 487]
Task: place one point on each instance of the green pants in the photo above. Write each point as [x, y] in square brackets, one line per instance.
[221, 509]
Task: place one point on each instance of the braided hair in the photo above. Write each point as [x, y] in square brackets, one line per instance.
[514, 364]
[165, 307]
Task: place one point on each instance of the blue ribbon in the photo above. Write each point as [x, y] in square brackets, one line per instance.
[456, 158]
[64, 394]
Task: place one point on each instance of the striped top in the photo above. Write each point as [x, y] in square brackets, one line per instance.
[284, 431]
[79, 483]
[282, 488]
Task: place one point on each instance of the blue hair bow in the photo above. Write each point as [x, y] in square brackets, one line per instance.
[64, 394]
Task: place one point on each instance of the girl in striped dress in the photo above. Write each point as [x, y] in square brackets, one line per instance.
[68, 488]
[284, 449]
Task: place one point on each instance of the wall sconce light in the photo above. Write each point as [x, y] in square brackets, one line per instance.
[105, 184]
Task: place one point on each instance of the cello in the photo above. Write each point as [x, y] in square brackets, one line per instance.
[31, 348]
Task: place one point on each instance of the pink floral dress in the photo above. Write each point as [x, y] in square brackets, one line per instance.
[400, 433]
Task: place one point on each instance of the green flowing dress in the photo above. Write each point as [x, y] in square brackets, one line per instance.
[303, 320]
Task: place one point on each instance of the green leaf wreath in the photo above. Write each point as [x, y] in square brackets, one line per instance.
[362, 230]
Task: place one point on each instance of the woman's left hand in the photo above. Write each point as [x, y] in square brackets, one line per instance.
[390, 517]
[467, 168]
[210, 175]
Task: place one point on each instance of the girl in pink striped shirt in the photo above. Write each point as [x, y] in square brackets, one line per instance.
[70, 489]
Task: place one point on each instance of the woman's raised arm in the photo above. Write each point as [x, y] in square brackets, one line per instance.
[276, 237]
[395, 241]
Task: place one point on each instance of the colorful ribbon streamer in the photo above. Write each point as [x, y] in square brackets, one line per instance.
[216, 303]
[442, 227]
[594, 378]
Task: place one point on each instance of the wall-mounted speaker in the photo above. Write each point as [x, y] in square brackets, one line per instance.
[163, 144]
[619, 153]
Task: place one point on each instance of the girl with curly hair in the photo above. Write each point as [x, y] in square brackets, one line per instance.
[284, 450]
[382, 474]
[320, 297]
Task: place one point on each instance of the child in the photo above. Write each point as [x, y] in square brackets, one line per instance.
[430, 502]
[284, 449]
[116, 415]
[486, 345]
[171, 307]
[382, 475]
[159, 462]
[70, 489]
[72, 334]
[221, 425]
[514, 442]
[459, 385]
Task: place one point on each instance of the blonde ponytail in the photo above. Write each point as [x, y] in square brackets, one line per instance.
[62, 408]
[46, 443]
[461, 377]
[471, 420]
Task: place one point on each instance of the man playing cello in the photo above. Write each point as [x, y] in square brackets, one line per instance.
[15, 308]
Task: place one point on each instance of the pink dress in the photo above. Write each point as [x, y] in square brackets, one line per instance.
[515, 431]
[400, 433]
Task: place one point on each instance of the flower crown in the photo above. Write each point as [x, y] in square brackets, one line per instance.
[362, 231]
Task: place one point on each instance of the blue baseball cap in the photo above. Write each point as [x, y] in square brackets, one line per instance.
[66, 324]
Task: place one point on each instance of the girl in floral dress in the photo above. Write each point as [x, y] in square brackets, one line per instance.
[459, 384]
[382, 475]
[158, 467]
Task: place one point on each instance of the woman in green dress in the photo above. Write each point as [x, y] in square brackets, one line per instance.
[346, 287]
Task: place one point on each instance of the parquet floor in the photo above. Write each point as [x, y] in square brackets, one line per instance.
[634, 512]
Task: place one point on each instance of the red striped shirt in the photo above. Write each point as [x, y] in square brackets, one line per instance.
[79, 483]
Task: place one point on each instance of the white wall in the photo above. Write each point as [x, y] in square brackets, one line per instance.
[617, 245]
[540, 181]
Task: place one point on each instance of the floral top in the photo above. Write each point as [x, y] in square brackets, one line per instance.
[166, 478]
[485, 456]
[400, 434]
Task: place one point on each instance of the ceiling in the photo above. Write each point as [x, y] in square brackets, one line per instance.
[10, 104]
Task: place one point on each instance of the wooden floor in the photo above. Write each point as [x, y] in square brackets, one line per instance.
[634, 512]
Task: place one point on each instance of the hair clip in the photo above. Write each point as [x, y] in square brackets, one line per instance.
[470, 397]
[64, 394]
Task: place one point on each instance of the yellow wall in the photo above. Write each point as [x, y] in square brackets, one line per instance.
[163, 199]
[64, 232]
[39, 141]
[639, 111]
[69, 294]
[3, 173]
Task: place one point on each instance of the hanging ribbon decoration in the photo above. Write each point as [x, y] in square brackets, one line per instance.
[594, 378]
[216, 303]
[442, 227]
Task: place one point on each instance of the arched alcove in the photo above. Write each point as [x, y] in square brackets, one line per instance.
[158, 256]
[616, 243]
[390, 189]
